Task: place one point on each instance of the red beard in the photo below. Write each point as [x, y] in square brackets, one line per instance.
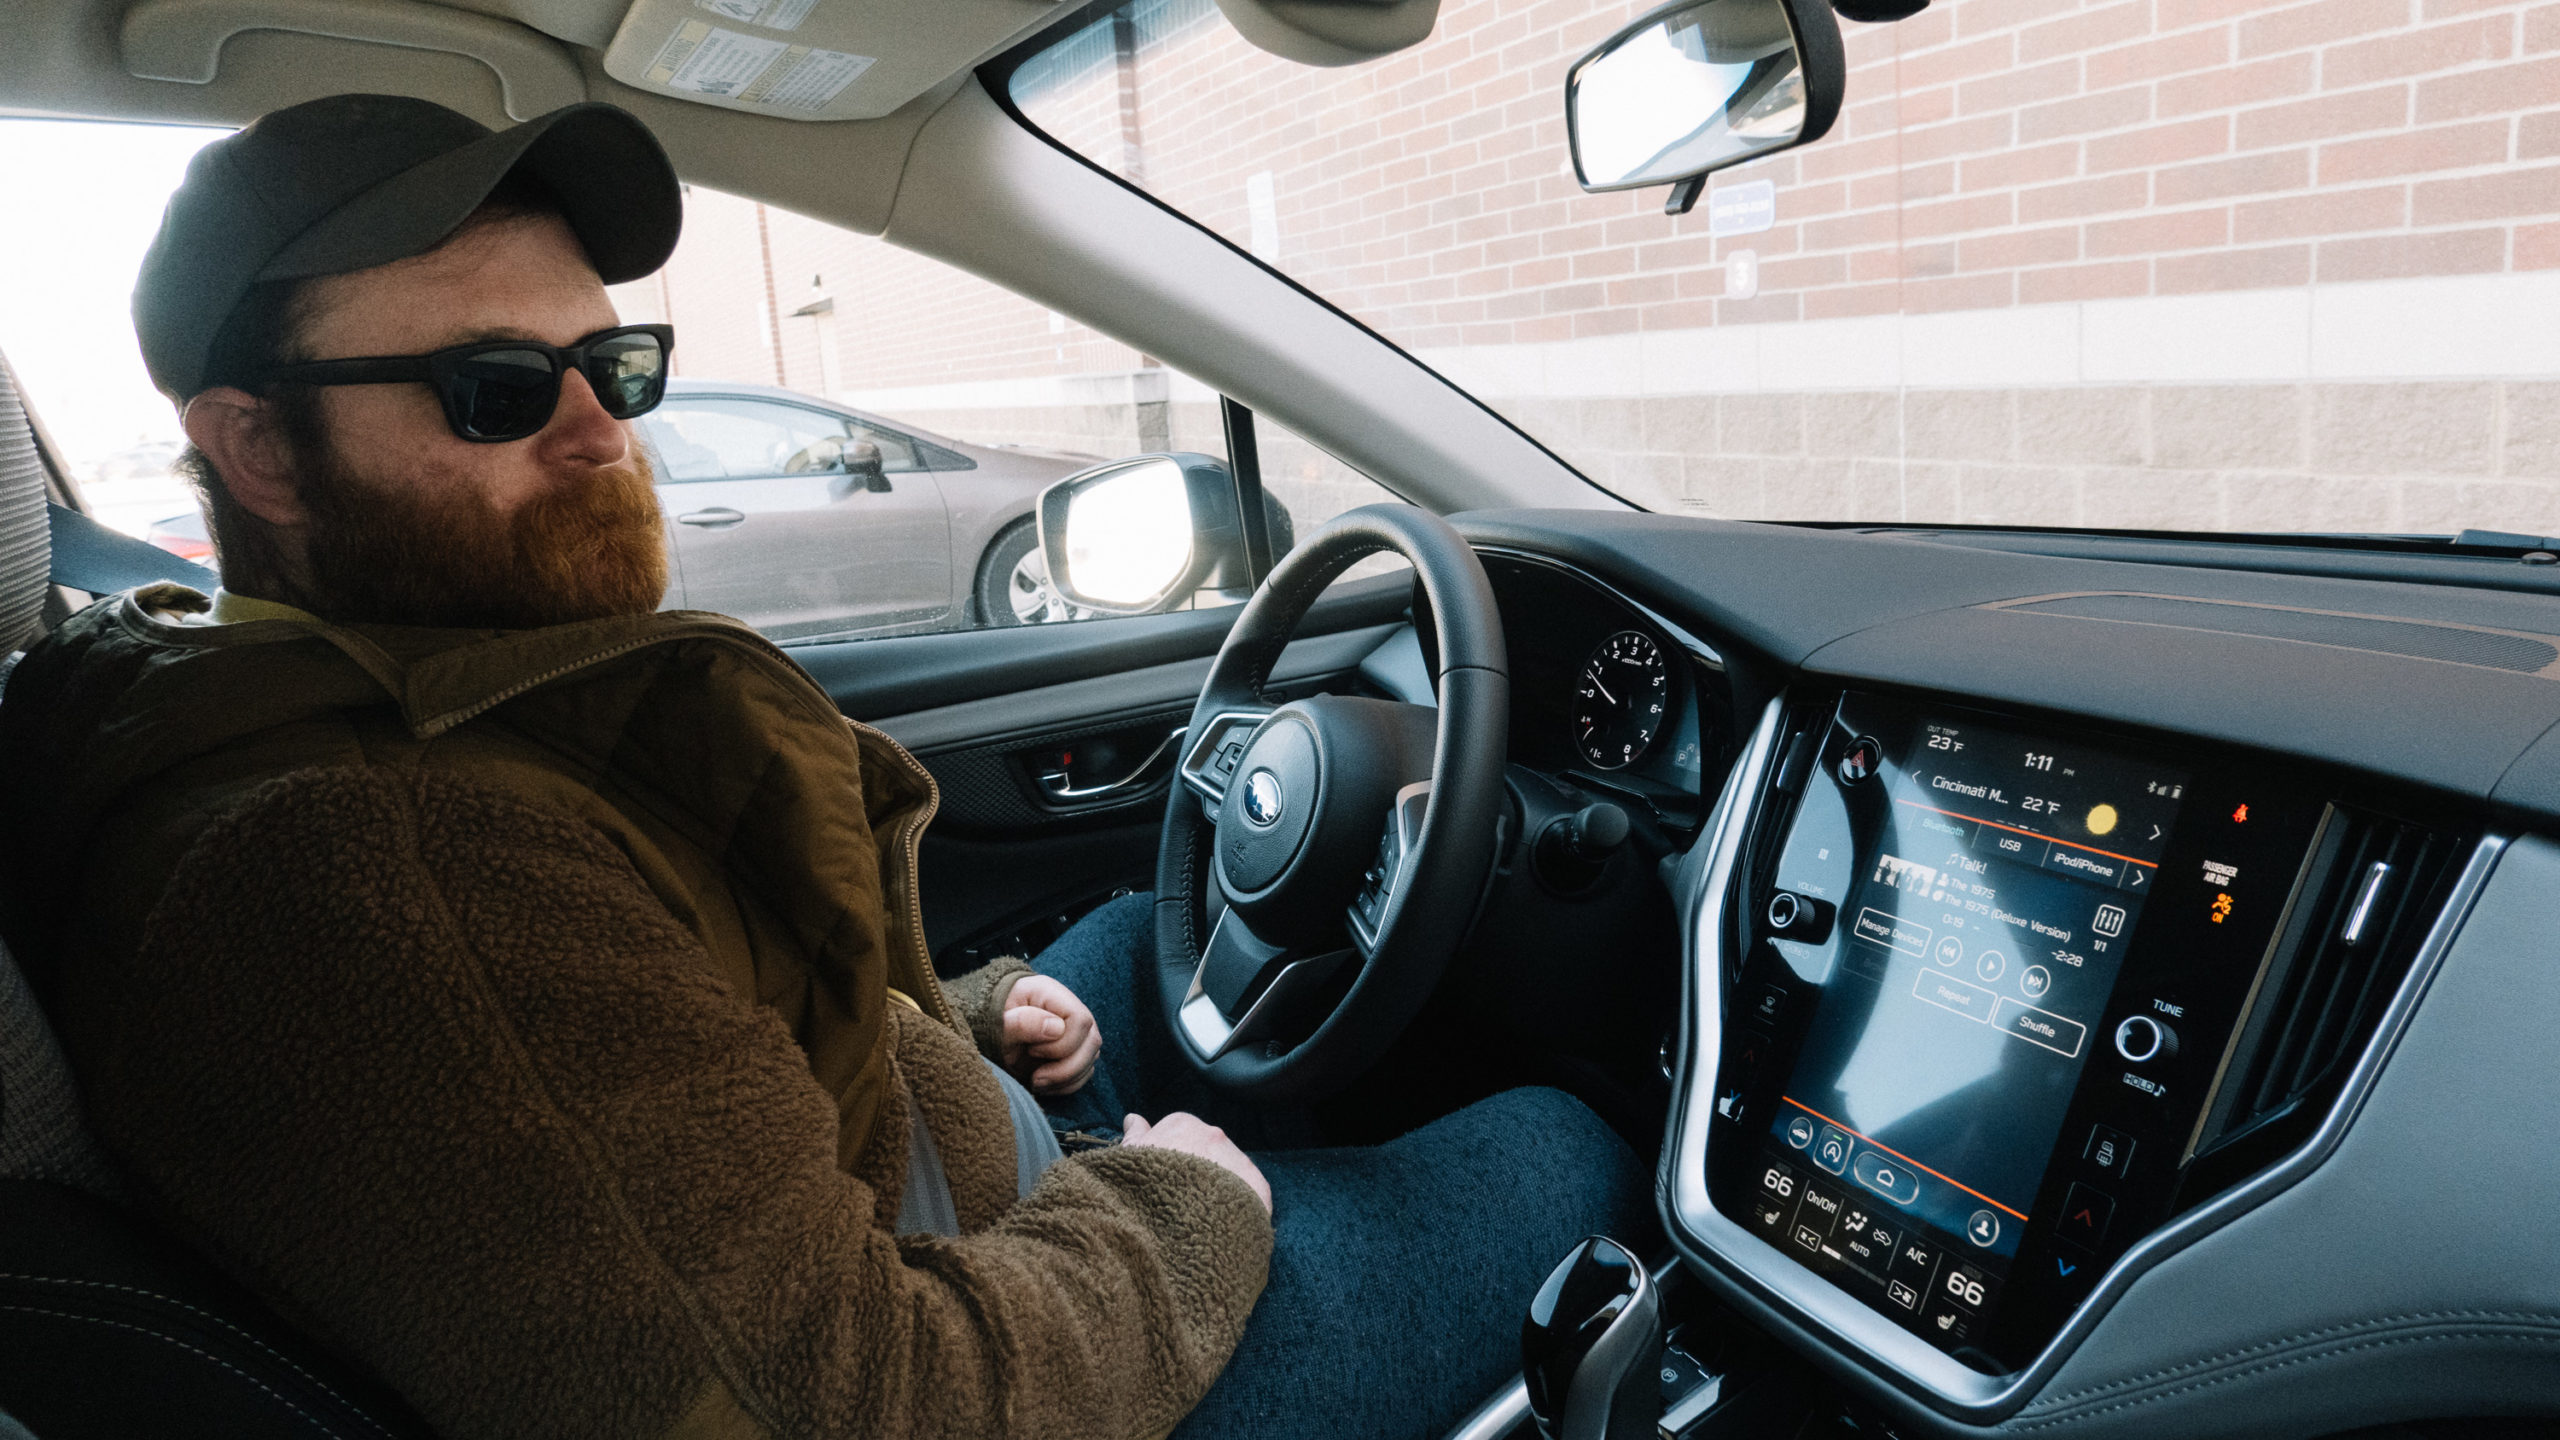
[440, 556]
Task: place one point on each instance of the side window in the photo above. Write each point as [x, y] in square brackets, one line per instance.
[977, 398]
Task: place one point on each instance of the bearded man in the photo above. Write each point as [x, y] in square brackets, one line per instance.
[526, 990]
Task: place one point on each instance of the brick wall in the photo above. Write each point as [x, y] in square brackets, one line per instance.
[2220, 263]
[1993, 152]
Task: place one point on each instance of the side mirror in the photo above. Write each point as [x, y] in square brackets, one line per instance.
[1699, 86]
[861, 460]
[837, 455]
[1148, 533]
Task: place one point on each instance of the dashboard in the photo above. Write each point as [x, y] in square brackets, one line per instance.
[2085, 961]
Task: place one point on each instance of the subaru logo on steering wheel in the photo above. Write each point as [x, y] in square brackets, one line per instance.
[1262, 797]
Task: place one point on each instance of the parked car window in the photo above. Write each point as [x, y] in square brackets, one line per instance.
[722, 439]
[897, 452]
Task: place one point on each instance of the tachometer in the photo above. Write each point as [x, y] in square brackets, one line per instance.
[1620, 699]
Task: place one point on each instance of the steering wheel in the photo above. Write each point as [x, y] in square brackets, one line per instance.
[1322, 859]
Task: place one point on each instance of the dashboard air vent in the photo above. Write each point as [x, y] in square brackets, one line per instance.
[2375, 886]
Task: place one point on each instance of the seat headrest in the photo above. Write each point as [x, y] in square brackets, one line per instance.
[26, 552]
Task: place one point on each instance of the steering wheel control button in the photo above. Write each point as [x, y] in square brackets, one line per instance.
[2140, 1038]
[1800, 1132]
[1831, 1149]
[1983, 1229]
[2109, 1151]
[1768, 1003]
[1860, 761]
[2085, 1212]
[1887, 1177]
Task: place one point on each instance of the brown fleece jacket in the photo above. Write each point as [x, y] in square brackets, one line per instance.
[483, 1058]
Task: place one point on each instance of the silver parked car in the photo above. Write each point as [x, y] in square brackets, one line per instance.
[778, 515]
[805, 518]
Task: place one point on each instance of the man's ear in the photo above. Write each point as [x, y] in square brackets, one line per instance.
[237, 431]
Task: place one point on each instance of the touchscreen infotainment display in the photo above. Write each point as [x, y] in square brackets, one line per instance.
[1982, 912]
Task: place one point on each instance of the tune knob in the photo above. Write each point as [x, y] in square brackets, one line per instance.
[2142, 1038]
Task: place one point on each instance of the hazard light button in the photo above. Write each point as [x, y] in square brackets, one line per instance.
[2085, 1214]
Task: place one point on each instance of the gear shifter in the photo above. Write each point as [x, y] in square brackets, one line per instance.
[1592, 1345]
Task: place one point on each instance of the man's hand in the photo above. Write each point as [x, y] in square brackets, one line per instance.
[1047, 1027]
[1192, 1135]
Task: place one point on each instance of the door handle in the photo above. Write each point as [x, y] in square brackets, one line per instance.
[1058, 786]
[716, 518]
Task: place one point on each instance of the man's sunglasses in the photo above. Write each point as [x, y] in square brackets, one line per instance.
[506, 389]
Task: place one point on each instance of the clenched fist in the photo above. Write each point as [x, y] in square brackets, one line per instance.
[1050, 1040]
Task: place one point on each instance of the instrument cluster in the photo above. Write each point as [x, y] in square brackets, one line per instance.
[1605, 692]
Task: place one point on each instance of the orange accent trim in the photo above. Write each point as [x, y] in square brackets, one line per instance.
[2015, 830]
[1896, 1154]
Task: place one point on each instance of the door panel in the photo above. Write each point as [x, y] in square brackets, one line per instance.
[993, 712]
[873, 680]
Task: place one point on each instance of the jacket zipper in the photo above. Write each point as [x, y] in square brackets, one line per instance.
[910, 843]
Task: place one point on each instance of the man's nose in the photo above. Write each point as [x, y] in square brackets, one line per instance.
[581, 430]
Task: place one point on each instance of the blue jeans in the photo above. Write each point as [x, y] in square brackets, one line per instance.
[1401, 1271]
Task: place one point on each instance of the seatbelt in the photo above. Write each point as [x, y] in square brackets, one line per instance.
[89, 556]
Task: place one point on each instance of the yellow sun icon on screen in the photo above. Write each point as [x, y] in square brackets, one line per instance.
[2102, 818]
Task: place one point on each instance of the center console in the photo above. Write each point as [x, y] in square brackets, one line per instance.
[1994, 1002]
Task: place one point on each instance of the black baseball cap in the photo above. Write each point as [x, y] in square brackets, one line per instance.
[349, 182]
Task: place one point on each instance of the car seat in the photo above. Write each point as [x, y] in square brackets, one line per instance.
[109, 1328]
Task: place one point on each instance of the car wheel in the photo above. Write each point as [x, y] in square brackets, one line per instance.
[1013, 581]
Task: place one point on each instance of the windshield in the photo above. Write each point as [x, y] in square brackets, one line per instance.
[2250, 265]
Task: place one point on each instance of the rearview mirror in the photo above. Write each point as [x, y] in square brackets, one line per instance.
[1149, 533]
[1699, 86]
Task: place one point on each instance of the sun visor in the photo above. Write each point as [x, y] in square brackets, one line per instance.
[1332, 32]
[811, 59]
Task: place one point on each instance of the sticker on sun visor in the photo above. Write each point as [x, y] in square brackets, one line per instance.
[703, 59]
[771, 14]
